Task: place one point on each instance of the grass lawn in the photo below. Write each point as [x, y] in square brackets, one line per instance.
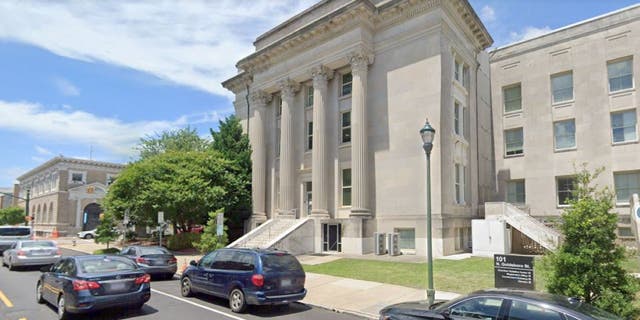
[460, 276]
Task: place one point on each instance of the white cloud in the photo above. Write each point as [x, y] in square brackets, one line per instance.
[65, 87]
[194, 43]
[42, 151]
[73, 126]
[529, 33]
[487, 14]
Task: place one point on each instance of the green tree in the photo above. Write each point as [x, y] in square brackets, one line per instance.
[234, 145]
[588, 264]
[12, 215]
[181, 140]
[106, 231]
[210, 240]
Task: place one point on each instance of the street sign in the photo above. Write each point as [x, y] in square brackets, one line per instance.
[160, 217]
[220, 224]
[513, 271]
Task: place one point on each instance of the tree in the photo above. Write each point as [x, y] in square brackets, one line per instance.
[588, 264]
[106, 231]
[182, 140]
[234, 145]
[12, 215]
[184, 185]
[210, 240]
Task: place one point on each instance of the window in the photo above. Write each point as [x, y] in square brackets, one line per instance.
[465, 76]
[279, 108]
[564, 134]
[458, 119]
[461, 73]
[223, 260]
[625, 232]
[346, 84]
[513, 142]
[524, 310]
[623, 126]
[485, 308]
[565, 186]
[620, 74]
[346, 127]
[309, 102]
[460, 182]
[110, 179]
[309, 135]
[406, 238]
[515, 192]
[76, 177]
[626, 183]
[346, 187]
[562, 87]
[512, 98]
[457, 71]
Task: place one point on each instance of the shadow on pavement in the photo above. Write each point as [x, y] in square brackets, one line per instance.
[267, 311]
[111, 314]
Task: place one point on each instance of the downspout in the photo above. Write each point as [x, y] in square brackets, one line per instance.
[248, 108]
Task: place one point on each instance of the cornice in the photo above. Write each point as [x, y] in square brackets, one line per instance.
[238, 82]
[60, 161]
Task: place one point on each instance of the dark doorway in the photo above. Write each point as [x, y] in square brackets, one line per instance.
[331, 237]
[91, 216]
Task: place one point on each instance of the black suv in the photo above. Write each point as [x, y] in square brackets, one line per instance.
[246, 276]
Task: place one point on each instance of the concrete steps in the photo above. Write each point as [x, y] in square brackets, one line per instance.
[265, 234]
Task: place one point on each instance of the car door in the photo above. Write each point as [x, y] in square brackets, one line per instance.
[10, 253]
[199, 277]
[486, 308]
[53, 283]
[220, 272]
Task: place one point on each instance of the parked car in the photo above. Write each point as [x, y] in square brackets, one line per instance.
[88, 234]
[83, 284]
[499, 304]
[153, 260]
[246, 277]
[10, 234]
[31, 253]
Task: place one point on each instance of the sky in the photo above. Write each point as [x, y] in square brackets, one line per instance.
[89, 79]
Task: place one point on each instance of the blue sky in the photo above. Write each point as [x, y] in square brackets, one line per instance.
[91, 78]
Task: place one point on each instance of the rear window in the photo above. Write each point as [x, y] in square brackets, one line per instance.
[146, 251]
[13, 232]
[105, 264]
[280, 262]
[38, 244]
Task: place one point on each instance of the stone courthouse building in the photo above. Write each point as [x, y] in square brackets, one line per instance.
[65, 193]
[333, 100]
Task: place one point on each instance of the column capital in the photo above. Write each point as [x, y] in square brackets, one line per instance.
[320, 75]
[260, 98]
[288, 88]
[360, 60]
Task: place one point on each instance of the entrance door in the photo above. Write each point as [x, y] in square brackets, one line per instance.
[332, 237]
[307, 197]
[91, 216]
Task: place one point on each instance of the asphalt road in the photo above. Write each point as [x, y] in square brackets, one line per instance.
[17, 302]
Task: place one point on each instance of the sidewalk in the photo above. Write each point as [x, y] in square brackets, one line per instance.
[363, 298]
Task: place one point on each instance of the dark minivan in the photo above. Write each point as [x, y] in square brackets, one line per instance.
[246, 277]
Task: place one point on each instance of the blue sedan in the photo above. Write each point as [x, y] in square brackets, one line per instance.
[83, 284]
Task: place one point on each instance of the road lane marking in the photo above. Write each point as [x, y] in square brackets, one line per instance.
[22, 319]
[198, 305]
[6, 300]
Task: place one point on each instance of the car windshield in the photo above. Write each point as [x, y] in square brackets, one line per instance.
[280, 262]
[105, 264]
[38, 244]
[17, 231]
[147, 251]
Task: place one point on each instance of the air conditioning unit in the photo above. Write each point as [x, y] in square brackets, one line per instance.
[380, 242]
[392, 244]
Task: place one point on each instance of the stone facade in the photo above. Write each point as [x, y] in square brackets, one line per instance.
[337, 96]
[578, 104]
[65, 193]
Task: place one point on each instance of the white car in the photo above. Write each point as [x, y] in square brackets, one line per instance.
[88, 234]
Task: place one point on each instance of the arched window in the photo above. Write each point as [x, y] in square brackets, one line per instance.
[50, 220]
[37, 213]
[43, 217]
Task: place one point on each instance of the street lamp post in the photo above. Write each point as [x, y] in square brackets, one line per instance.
[427, 133]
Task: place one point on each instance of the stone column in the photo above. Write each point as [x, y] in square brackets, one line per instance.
[257, 134]
[319, 191]
[359, 146]
[287, 169]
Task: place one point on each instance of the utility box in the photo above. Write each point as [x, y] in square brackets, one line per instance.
[380, 242]
[392, 244]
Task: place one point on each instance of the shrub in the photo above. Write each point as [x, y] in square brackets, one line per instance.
[182, 241]
[107, 251]
[210, 240]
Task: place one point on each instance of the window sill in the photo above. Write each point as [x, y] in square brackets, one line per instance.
[565, 150]
[622, 204]
[308, 107]
[460, 86]
[512, 114]
[621, 143]
[308, 152]
[621, 92]
[514, 155]
[345, 97]
[344, 145]
[563, 206]
[562, 104]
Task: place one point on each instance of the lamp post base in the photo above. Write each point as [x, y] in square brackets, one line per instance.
[431, 296]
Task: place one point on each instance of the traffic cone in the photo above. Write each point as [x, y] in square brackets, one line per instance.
[54, 233]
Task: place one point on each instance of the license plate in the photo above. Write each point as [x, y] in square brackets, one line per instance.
[117, 286]
[285, 283]
[39, 253]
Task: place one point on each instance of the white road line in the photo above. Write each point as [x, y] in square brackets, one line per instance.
[198, 305]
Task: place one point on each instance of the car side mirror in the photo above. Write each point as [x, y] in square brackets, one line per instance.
[193, 263]
[446, 314]
[45, 269]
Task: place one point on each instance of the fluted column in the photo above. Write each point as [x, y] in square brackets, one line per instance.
[287, 177]
[359, 146]
[319, 191]
[257, 134]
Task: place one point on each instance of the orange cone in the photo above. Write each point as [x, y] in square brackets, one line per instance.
[54, 233]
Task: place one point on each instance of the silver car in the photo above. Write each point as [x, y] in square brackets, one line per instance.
[10, 234]
[31, 253]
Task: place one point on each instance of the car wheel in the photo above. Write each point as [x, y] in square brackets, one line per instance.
[237, 302]
[39, 298]
[62, 311]
[88, 236]
[185, 287]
